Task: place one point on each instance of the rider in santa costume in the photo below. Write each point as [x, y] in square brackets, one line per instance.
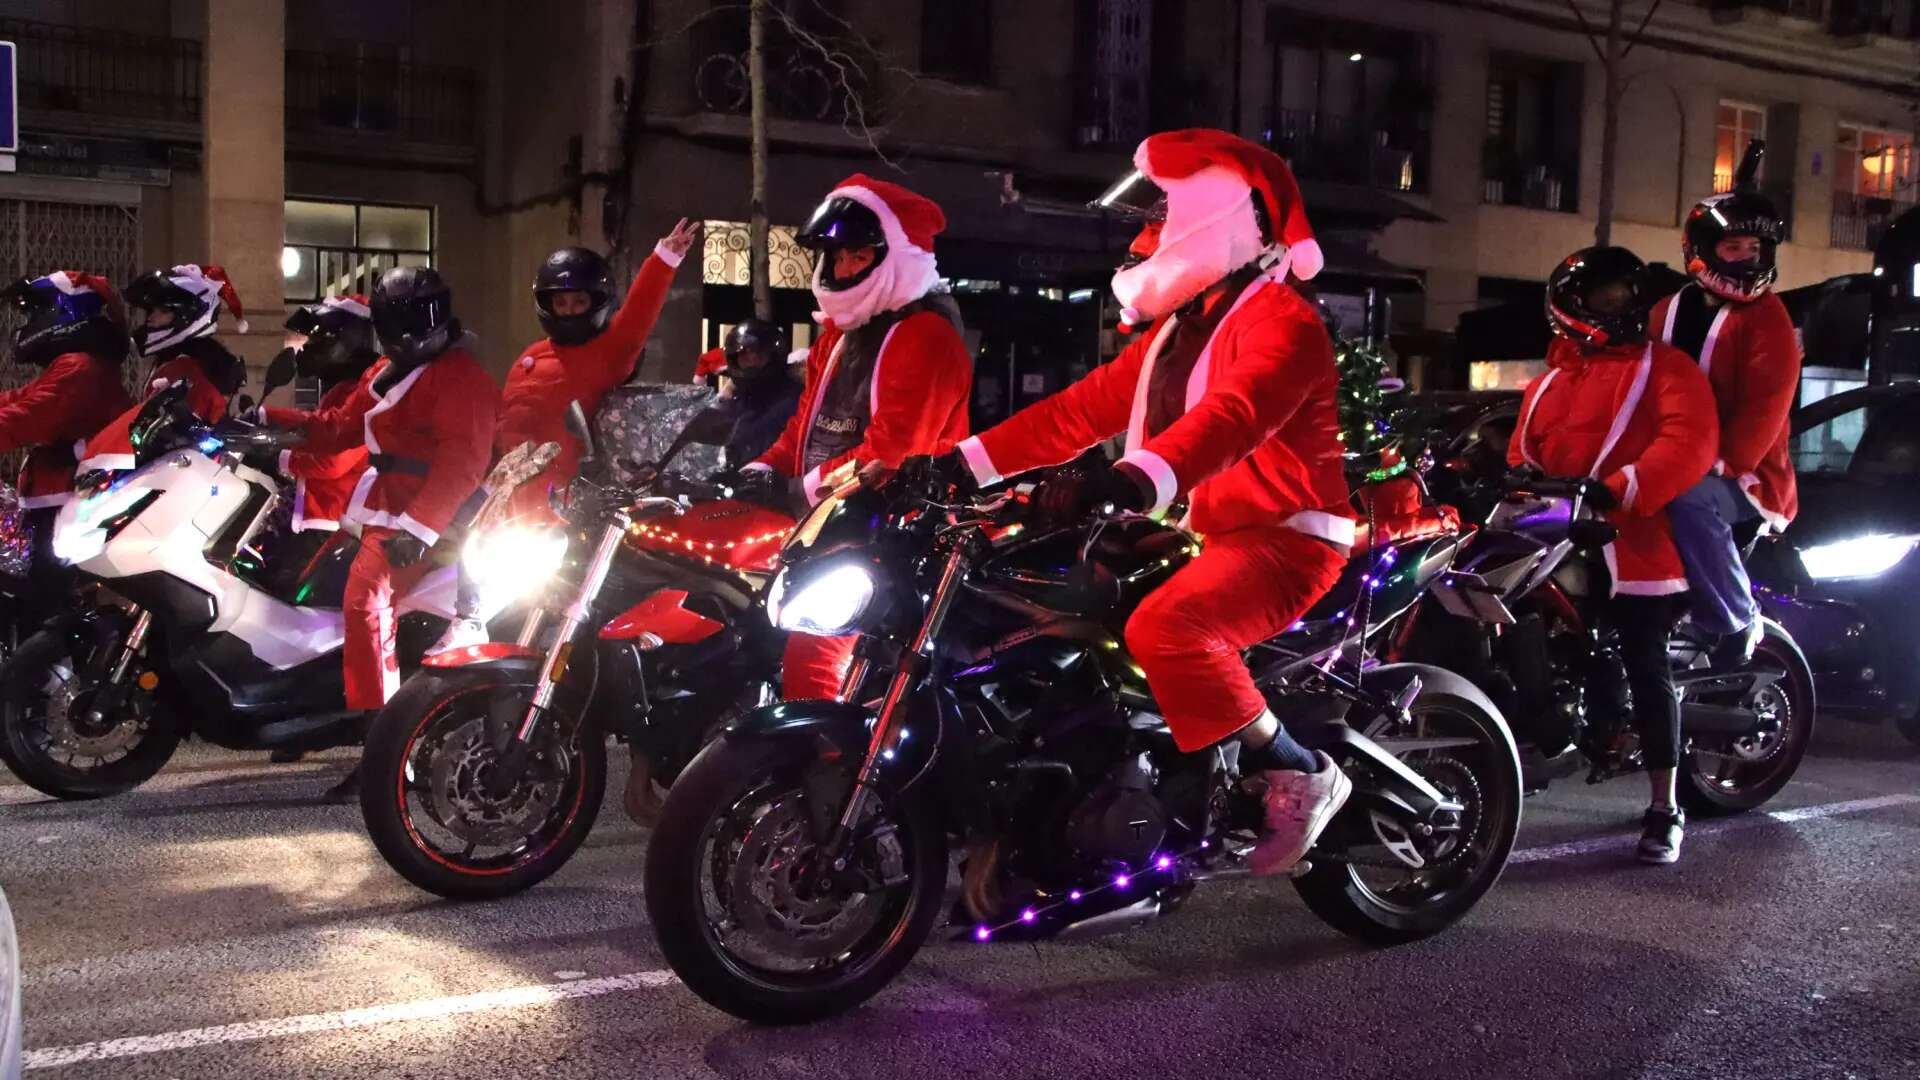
[1731, 323]
[175, 314]
[1227, 400]
[337, 348]
[888, 376]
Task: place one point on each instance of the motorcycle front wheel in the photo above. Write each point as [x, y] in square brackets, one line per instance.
[742, 911]
[52, 741]
[426, 799]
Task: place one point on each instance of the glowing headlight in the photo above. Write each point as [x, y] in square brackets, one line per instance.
[1859, 557]
[828, 605]
[509, 563]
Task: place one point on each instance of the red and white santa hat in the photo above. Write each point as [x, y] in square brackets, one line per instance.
[354, 304]
[909, 219]
[1202, 155]
[211, 283]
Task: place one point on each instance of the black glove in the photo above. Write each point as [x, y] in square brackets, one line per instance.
[762, 487]
[405, 549]
[1071, 493]
[1600, 496]
[948, 475]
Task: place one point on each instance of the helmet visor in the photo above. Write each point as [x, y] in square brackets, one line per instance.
[395, 320]
[841, 222]
[1134, 197]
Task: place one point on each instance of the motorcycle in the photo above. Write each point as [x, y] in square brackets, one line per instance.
[802, 858]
[485, 773]
[183, 627]
[1520, 616]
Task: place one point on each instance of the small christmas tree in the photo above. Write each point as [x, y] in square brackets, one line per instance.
[1369, 426]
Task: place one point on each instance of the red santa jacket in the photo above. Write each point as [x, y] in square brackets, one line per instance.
[1640, 419]
[73, 398]
[533, 408]
[429, 438]
[1258, 444]
[323, 482]
[917, 399]
[1752, 358]
[109, 446]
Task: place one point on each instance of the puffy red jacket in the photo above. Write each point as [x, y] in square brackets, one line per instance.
[1752, 360]
[1258, 444]
[109, 447]
[74, 397]
[429, 438]
[323, 481]
[918, 399]
[1639, 418]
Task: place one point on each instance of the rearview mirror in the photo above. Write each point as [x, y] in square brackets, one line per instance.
[578, 427]
[280, 372]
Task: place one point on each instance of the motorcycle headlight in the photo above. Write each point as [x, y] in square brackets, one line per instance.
[510, 563]
[828, 605]
[97, 519]
[1856, 557]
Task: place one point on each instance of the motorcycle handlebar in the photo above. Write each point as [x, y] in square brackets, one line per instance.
[1567, 487]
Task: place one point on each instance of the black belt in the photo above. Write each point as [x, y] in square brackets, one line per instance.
[393, 463]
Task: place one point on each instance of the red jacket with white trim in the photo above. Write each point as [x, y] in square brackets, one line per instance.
[73, 398]
[1640, 419]
[109, 447]
[1257, 446]
[435, 427]
[533, 407]
[323, 480]
[1752, 359]
[918, 396]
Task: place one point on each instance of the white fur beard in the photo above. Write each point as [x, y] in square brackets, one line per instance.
[903, 276]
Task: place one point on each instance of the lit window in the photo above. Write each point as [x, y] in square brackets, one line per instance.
[723, 256]
[1738, 125]
[1875, 163]
[336, 248]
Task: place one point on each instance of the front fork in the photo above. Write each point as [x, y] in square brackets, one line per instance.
[887, 725]
[108, 701]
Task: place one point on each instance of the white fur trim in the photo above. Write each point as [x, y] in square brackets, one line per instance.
[666, 255]
[115, 462]
[387, 401]
[1166, 487]
[1137, 417]
[974, 453]
[810, 486]
[1673, 317]
[907, 273]
[425, 535]
[286, 463]
[873, 384]
[1661, 587]
[1198, 378]
[1713, 338]
[1332, 527]
[1632, 473]
[41, 502]
[1627, 408]
[1749, 485]
[754, 466]
[1308, 259]
[1526, 419]
[357, 511]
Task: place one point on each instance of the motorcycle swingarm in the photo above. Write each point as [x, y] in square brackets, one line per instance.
[1395, 788]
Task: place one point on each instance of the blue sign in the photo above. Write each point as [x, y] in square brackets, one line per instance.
[9, 99]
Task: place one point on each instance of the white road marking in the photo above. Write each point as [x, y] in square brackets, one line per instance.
[521, 997]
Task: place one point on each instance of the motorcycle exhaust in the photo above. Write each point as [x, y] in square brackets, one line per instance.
[1115, 921]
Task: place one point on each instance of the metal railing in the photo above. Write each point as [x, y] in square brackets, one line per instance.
[1859, 221]
[106, 72]
[1378, 152]
[336, 92]
[1540, 185]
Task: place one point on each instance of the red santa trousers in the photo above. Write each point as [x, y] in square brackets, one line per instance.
[1243, 588]
[371, 665]
[815, 667]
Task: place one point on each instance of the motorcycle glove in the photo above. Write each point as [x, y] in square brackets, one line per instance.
[404, 550]
[1073, 492]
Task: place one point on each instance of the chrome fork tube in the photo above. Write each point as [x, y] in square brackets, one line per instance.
[591, 583]
[136, 637]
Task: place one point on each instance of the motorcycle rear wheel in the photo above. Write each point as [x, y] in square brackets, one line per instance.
[735, 790]
[28, 741]
[1714, 784]
[419, 791]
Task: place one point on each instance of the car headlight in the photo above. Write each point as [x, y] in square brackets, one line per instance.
[827, 606]
[509, 563]
[1857, 557]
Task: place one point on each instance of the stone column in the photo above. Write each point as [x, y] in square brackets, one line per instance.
[245, 163]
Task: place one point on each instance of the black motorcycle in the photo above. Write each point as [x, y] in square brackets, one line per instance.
[1520, 614]
[802, 858]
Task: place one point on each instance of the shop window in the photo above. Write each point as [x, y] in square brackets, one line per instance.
[1737, 125]
[724, 256]
[334, 248]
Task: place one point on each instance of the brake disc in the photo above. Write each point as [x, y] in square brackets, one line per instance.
[461, 766]
[771, 899]
[67, 726]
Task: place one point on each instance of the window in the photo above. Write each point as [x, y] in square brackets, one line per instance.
[335, 248]
[1350, 102]
[956, 40]
[1878, 442]
[1875, 163]
[724, 248]
[1738, 125]
[1531, 156]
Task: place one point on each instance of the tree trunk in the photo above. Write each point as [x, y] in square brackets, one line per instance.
[1610, 123]
[757, 199]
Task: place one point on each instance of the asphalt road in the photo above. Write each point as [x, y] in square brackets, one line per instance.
[219, 923]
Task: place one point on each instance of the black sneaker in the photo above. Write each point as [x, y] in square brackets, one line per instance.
[1660, 835]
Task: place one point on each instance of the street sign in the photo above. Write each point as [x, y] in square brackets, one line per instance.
[9, 98]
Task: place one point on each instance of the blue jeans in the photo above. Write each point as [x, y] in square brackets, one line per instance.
[1719, 594]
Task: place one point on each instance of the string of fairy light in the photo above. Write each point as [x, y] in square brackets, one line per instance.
[702, 549]
[1122, 881]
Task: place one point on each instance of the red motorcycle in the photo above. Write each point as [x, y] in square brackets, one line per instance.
[485, 773]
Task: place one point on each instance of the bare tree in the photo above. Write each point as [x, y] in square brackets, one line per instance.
[1612, 48]
[758, 270]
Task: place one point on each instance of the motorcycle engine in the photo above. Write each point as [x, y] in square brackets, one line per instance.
[1121, 819]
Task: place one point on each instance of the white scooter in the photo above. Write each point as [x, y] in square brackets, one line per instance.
[186, 629]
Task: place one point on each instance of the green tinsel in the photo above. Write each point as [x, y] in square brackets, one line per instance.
[1369, 427]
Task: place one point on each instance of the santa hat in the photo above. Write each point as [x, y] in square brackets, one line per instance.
[908, 219]
[211, 281]
[711, 362]
[1175, 157]
[354, 304]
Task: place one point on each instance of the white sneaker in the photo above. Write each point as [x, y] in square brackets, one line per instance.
[460, 634]
[1299, 806]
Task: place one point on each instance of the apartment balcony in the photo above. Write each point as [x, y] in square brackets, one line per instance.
[1376, 152]
[105, 81]
[1859, 221]
[372, 102]
[1538, 185]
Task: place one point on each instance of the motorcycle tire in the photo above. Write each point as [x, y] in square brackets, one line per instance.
[1704, 798]
[423, 701]
[21, 682]
[724, 775]
[1335, 892]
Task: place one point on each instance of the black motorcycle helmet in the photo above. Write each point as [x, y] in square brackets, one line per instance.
[750, 338]
[413, 315]
[84, 317]
[838, 224]
[340, 344]
[1599, 297]
[574, 269]
[1740, 212]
